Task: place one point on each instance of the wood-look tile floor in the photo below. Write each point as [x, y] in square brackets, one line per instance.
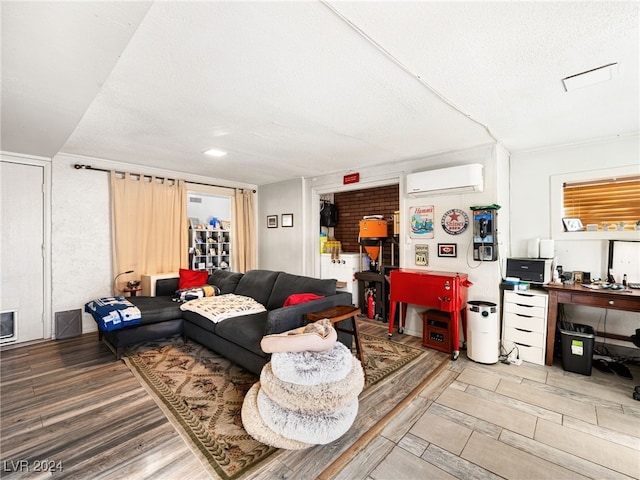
[508, 421]
[68, 401]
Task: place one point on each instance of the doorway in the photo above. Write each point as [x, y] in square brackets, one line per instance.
[350, 269]
[210, 234]
[22, 256]
[354, 205]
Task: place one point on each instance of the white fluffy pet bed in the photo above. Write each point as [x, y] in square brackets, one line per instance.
[308, 393]
[314, 398]
[317, 428]
[255, 426]
[313, 368]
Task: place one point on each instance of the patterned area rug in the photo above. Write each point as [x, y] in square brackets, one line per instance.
[201, 393]
[383, 357]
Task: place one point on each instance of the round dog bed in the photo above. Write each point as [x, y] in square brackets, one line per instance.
[318, 428]
[255, 426]
[313, 368]
[327, 396]
[299, 340]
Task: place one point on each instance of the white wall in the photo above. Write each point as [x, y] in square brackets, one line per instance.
[209, 206]
[486, 276]
[81, 238]
[531, 214]
[281, 248]
[530, 190]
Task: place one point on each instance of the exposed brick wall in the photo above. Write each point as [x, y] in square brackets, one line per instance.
[352, 206]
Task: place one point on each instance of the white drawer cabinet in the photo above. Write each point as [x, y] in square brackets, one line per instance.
[525, 324]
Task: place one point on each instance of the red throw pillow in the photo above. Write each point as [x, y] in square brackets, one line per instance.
[192, 278]
[301, 298]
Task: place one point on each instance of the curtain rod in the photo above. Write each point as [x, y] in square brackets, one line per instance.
[79, 166]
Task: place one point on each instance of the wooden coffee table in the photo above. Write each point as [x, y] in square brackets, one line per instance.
[338, 314]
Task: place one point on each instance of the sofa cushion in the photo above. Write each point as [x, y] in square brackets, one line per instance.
[224, 280]
[195, 292]
[258, 284]
[192, 278]
[156, 309]
[287, 284]
[296, 298]
[166, 286]
[246, 331]
[199, 320]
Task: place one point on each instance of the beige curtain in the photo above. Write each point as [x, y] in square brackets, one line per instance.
[243, 248]
[149, 226]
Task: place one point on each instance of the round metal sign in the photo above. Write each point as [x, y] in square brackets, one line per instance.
[455, 221]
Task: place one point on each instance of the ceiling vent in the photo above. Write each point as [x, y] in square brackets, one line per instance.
[460, 179]
[591, 77]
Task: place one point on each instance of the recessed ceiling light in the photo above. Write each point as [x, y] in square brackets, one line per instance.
[591, 77]
[214, 152]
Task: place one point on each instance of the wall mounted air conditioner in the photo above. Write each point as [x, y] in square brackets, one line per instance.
[460, 179]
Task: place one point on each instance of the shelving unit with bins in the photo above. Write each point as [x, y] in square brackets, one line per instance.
[210, 249]
[525, 324]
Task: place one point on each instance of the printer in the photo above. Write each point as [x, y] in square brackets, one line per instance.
[533, 270]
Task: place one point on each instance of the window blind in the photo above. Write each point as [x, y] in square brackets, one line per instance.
[604, 202]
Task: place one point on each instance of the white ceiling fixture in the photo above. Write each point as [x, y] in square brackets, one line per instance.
[214, 152]
[591, 77]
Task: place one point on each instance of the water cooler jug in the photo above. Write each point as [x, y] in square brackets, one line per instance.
[483, 332]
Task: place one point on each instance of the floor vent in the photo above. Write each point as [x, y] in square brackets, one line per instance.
[68, 324]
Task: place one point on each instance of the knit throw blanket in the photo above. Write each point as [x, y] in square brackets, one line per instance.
[223, 307]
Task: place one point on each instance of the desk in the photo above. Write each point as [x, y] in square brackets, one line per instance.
[578, 295]
[444, 291]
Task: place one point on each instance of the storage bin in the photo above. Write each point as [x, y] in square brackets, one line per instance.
[577, 347]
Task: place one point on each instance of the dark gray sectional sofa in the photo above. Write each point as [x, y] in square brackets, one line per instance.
[238, 338]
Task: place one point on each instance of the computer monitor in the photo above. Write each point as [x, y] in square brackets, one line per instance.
[624, 259]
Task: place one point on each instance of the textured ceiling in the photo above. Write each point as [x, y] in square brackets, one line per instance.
[295, 89]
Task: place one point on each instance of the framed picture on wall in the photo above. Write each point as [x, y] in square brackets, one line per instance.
[572, 224]
[447, 250]
[272, 221]
[421, 222]
[422, 255]
[287, 219]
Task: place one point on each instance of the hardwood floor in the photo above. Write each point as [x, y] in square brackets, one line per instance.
[70, 406]
[70, 403]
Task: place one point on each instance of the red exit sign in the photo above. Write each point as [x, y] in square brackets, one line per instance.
[351, 178]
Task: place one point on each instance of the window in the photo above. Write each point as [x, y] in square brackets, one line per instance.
[598, 201]
[604, 204]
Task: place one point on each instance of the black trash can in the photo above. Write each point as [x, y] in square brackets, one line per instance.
[577, 347]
